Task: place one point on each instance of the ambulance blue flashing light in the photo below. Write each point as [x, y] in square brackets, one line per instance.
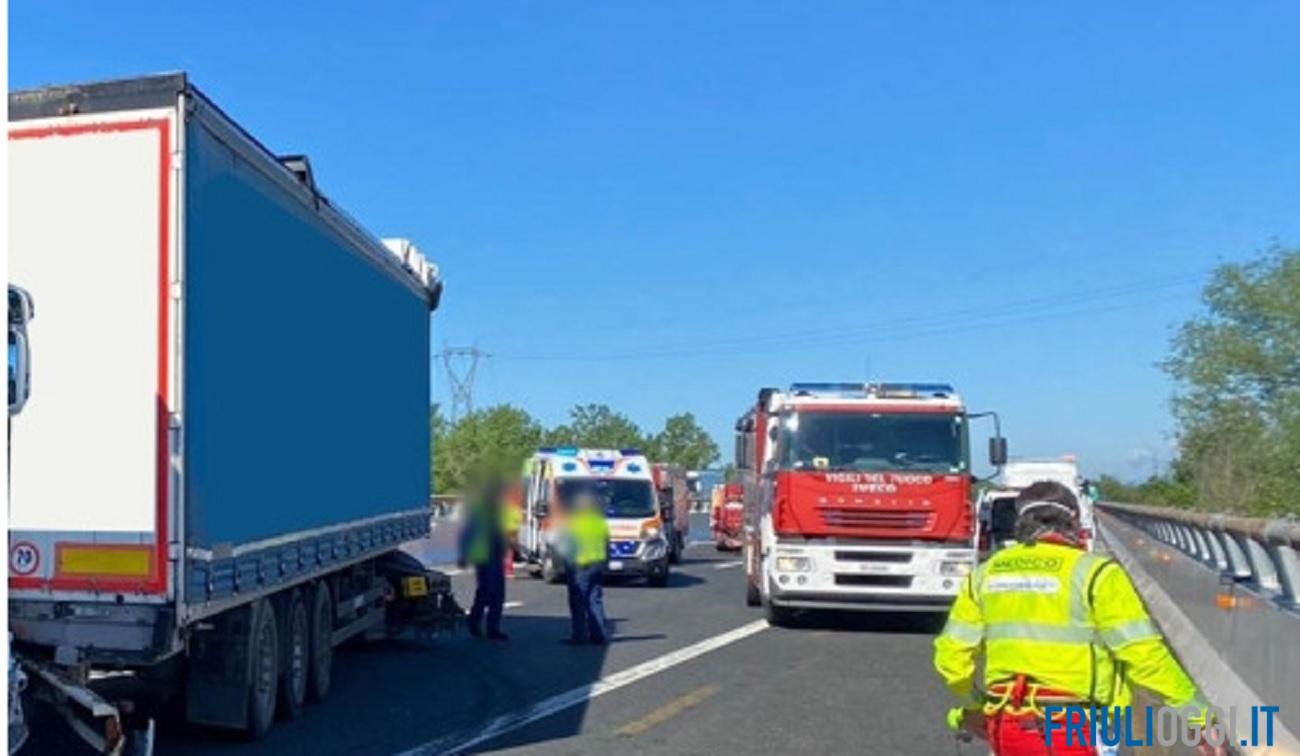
[567, 451]
[634, 468]
[630, 452]
[569, 466]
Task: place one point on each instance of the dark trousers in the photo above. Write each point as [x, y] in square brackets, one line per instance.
[587, 603]
[489, 595]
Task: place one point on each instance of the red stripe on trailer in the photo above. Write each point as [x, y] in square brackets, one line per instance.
[157, 582]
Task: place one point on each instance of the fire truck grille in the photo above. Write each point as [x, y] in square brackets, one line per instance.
[843, 517]
[879, 581]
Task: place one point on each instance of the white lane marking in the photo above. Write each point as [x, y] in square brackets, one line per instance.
[697, 543]
[512, 605]
[463, 741]
[726, 565]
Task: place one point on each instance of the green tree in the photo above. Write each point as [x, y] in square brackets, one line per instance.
[493, 440]
[1238, 401]
[684, 442]
[596, 426]
[438, 427]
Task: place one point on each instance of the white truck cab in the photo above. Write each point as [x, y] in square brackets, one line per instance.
[1022, 473]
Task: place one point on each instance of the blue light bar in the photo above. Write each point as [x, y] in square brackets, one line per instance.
[567, 451]
[912, 389]
[629, 452]
[828, 388]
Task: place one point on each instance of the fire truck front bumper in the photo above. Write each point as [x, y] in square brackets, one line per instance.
[866, 577]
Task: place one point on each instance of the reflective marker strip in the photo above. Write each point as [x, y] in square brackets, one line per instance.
[103, 561]
[1129, 632]
[1022, 584]
[1044, 633]
[963, 632]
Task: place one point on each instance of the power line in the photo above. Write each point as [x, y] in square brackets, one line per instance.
[461, 364]
[1004, 312]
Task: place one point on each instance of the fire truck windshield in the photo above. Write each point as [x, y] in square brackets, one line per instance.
[811, 440]
[622, 498]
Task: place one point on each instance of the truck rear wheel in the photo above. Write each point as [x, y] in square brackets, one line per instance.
[320, 665]
[297, 643]
[263, 682]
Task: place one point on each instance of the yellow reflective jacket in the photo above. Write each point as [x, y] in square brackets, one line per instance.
[590, 535]
[512, 519]
[1067, 619]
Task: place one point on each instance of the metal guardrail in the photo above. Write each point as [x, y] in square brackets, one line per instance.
[1261, 553]
[1223, 590]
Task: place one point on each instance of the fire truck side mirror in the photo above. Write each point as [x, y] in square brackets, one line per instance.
[998, 451]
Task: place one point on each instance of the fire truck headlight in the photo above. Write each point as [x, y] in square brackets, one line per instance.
[793, 564]
[954, 569]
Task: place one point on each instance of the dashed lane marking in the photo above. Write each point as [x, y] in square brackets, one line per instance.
[726, 565]
[668, 711]
[463, 741]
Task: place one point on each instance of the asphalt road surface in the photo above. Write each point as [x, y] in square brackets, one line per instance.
[692, 670]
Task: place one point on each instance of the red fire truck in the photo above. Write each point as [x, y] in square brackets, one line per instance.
[857, 496]
[674, 506]
[728, 516]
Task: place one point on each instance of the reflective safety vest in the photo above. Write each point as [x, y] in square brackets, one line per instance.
[483, 531]
[1067, 620]
[514, 519]
[590, 535]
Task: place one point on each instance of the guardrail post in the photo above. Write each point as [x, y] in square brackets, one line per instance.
[1261, 564]
[1288, 564]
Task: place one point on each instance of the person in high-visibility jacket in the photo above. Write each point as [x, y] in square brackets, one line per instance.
[512, 520]
[587, 552]
[483, 544]
[1058, 627]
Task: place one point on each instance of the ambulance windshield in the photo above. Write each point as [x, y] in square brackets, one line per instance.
[622, 498]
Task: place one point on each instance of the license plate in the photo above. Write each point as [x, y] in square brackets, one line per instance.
[615, 565]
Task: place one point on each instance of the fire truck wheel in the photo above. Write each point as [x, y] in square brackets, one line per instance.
[778, 616]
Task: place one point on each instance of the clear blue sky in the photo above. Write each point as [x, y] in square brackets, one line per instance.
[665, 205]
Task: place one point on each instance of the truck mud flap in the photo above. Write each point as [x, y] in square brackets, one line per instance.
[216, 688]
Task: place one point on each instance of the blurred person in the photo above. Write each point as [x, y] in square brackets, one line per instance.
[587, 550]
[1057, 627]
[513, 520]
[483, 544]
